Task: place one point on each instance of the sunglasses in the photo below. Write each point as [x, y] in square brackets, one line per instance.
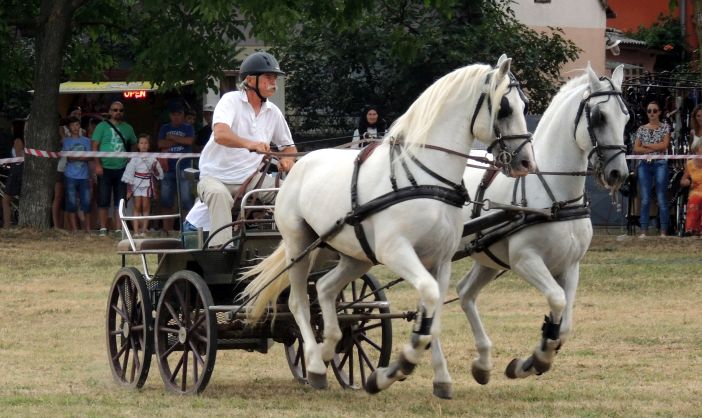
[117, 110]
[651, 110]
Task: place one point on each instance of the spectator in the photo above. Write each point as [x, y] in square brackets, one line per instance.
[111, 135]
[204, 133]
[191, 117]
[140, 176]
[77, 173]
[58, 204]
[175, 137]
[652, 139]
[370, 126]
[693, 178]
[13, 186]
[244, 124]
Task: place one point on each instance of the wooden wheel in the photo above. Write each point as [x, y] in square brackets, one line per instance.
[129, 328]
[366, 343]
[186, 333]
[295, 354]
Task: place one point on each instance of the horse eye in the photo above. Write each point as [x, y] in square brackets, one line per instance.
[597, 118]
[505, 109]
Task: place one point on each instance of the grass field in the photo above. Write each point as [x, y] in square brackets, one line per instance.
[636, 349]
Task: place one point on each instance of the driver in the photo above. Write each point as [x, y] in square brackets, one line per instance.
[245, 123]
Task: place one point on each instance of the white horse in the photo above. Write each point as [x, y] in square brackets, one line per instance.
[584, 122]
[412, 223]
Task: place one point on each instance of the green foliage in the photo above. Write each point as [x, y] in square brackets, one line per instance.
[398, 48]
[665, 37]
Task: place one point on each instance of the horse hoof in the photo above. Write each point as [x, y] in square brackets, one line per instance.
[511, 370]
[443, 390]
[372, 384]
[481, 376]
[317, 380]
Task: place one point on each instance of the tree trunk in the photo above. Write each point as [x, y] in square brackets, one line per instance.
[54, 26]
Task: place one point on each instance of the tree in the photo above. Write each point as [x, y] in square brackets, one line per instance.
[55, 39]
[396, 49]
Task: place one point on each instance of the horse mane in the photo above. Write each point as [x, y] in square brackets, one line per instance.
[572, 87]
[414, 125]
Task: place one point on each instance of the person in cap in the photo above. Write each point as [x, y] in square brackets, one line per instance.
[204, 133]
[244, 124]
[175, 137]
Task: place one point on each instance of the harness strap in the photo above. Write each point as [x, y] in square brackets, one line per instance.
[458, 187]
[486, 181]
[482, 243]
[496, 259]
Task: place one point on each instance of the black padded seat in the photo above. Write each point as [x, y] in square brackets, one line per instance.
[150, 244]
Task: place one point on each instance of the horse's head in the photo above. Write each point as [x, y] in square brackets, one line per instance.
[599, 127]
[500, 122]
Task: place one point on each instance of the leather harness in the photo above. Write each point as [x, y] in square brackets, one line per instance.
[455, 195]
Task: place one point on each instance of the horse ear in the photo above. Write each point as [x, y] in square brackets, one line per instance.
[618, 76]
[503, 66]
[594, 81]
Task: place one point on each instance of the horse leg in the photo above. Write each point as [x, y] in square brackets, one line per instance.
[299, 305]
[442, 379]
[328, 289]
[468, 289]
[406, 264]
[533, 269]
[569, 282]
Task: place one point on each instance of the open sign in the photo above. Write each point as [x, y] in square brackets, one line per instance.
[136, 94]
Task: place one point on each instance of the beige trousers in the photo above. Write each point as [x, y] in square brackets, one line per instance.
[219, 198]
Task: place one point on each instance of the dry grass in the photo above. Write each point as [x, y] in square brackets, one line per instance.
[636, 349]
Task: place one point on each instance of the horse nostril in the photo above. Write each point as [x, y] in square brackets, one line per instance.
[528, 165]
[614, 175]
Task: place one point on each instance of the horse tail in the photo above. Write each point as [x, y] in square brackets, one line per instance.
[270, 279]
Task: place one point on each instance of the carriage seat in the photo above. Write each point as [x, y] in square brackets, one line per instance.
[150, 244]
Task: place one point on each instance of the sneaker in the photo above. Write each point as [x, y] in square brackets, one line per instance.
[118, 233]
[642, 235]
[103, 232]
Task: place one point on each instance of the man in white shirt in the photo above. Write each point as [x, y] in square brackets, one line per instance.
[244, 123]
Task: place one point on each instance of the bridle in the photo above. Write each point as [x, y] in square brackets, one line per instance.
[594, 118]
[503, 158]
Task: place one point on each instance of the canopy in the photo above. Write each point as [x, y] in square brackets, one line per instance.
[76, 87]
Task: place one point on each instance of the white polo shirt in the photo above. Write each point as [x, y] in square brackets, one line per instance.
[235, 165]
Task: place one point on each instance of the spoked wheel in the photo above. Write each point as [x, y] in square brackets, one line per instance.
[129, 328]
[186, 333]
[366, 343]
[295, 353]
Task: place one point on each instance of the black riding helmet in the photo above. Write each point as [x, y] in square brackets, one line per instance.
[259, 63]
[256, 64]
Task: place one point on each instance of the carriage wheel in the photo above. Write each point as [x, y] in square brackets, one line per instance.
[366, 344]
[186, 333]
[129, 328]
[295, 353]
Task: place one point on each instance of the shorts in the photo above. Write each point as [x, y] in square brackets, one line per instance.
[110, 186]
[13, 187]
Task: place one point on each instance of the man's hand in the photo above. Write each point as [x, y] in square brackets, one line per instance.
[259, 147]
[98, 169]
[286, 164]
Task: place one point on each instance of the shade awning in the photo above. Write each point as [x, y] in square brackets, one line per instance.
[77, 87]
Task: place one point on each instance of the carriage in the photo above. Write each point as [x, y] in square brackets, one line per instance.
[186, 308]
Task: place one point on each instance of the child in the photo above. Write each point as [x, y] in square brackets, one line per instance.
[139, 175]
[77, 184]
[693, 178]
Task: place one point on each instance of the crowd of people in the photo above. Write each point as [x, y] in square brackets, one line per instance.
[87, 190]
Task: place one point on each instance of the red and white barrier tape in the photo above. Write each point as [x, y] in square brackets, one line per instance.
[52, 154]
[664, 157]
[175, 155]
